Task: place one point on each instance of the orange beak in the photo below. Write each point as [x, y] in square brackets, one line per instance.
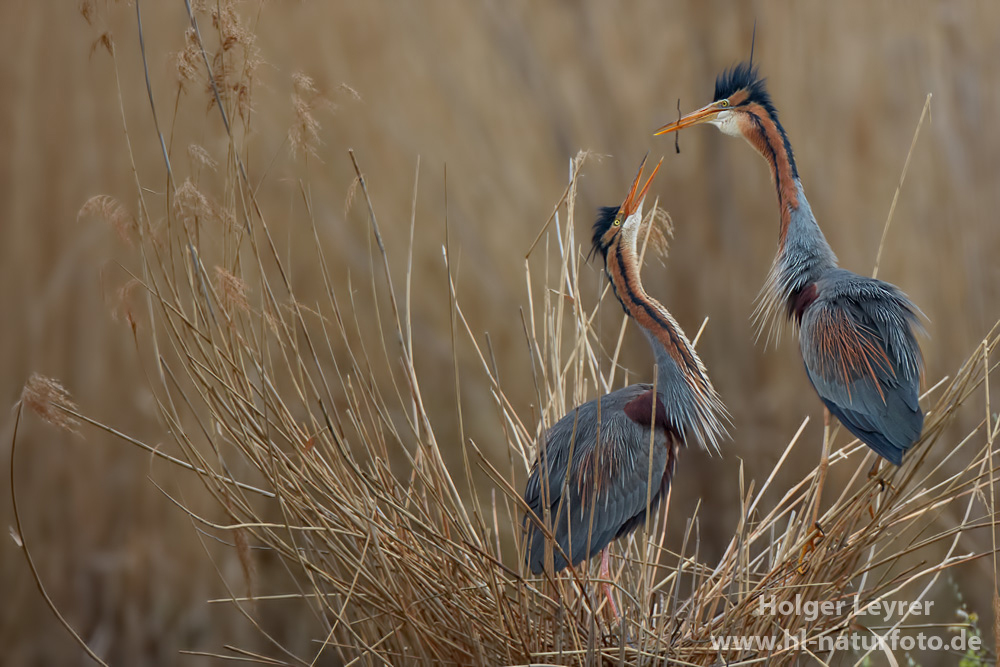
[702, 115]
[633, 200]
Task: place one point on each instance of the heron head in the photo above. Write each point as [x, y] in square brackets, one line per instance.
[614, 220]
[739, 91]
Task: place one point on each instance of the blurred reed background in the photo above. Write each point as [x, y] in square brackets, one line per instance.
[504, 95]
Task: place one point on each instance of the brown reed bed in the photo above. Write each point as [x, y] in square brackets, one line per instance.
[307, 423]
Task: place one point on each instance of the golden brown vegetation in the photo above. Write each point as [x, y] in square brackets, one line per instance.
[283, 346]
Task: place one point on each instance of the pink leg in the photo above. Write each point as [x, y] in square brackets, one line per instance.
[824, 463]
[605, 574]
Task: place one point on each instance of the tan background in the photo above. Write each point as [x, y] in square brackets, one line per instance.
[504, 94]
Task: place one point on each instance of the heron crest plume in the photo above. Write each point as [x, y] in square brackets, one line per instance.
[605, 219]
[743, 77]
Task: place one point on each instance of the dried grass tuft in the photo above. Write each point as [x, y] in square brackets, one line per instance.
[303, 136]
[191, 205]
[236, 57]
[104, 41]
[202, 157]
[355, 95]
[86, 9]
[122, 307]
[187, 61]
[352, 192]
[48, 399]
[233, 290]
[114, 213]
[661, 230]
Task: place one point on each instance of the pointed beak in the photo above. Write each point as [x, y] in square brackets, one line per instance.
[702, 115]
[634, 199]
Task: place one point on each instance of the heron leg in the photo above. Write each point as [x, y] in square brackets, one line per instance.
[882, 485]
[873, 474]
[824, 463]
[605, 574]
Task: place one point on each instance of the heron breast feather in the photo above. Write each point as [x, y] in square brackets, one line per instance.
[801, 300]
[641, 410]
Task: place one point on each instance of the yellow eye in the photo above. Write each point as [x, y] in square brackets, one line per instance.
[618, 222]
[724, 103]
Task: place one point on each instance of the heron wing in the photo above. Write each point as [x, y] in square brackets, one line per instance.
[860, 354]
[606, 486]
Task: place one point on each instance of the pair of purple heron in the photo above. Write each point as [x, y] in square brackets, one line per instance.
[591, 482]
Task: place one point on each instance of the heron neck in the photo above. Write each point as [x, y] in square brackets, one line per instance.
[670, 346]
[761, 128]
[803, 252]
[682, 381]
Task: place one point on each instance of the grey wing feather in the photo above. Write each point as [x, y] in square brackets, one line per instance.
[607, 477]
[860, 353]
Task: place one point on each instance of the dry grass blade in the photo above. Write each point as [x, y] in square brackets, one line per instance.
[902, 177]
[18, 533]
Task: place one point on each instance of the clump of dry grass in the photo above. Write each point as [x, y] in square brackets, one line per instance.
[303, 136]
[405, 562]
[114, 213]
[315, 440]
[50, 401]
[867, 546]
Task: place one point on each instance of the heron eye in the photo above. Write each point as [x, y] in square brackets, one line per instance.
[724, 103]
[618, 222]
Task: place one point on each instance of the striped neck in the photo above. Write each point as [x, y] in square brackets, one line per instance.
[803, 252]
[690, 399]
[763, 131]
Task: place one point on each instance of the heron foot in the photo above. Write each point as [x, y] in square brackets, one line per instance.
[623, 636]
[882, 485]
[810, 546]
[882, 482]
